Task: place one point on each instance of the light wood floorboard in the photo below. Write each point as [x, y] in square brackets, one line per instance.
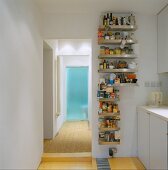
[125, 164]
[73, 137]
[115, 164]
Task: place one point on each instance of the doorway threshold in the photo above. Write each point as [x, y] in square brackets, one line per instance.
[67, 157]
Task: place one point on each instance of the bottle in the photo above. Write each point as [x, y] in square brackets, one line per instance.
[111, 19]
[108, 19]
[132, 19]
[104, 21]
[107, 65]
[104, 64]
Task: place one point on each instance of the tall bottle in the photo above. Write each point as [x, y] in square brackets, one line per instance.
[104, 21]
[111, 19]
[104, 64]
[108, 19]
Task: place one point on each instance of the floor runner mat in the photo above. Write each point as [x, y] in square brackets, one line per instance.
[102, 164]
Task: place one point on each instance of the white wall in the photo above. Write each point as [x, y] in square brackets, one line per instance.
[84, 25]
[48, 93]
[21, 87]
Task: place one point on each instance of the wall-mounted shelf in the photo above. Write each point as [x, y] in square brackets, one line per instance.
[119, 28]
[126, 85]
[101, 129]
[124, 56]
[108, 143]
[115, 37]
[104, 41]
[123, 70]
[108, 114]
[108, 99]
[123, 85]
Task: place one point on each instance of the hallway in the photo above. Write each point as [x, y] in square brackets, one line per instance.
[73, 137]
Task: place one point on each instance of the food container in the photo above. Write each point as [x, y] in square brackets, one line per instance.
[102, 50]
[111, 51]
[131, 76]
[117, 51]
[111, 66]
[112, 37]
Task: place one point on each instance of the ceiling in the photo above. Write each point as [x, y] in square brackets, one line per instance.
[68, 6]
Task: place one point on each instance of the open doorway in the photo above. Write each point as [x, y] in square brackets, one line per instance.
[72, 111]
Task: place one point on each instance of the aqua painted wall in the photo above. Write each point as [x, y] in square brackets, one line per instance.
[77, 93]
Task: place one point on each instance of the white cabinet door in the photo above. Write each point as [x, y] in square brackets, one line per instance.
[143, 138]
[163, 41]
[158, 143]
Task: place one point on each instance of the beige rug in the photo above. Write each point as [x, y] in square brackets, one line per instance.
[73, 137]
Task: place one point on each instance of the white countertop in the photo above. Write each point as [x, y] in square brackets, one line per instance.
[161, 112]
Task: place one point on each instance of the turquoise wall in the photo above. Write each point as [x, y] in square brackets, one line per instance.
[77, 93]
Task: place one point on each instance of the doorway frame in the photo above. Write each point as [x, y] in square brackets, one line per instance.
[63, 70]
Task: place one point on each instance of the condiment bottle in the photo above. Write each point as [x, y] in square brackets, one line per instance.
[104, 64]
[111, 19]
[104, 21]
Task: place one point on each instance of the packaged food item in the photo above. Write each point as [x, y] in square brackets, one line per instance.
[131, 76]
[111, 51]
[102, 50]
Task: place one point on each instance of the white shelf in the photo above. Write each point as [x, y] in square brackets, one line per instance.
[108, 99]
[104, 41]
[124, 56]
[108, 129]
[122, 85]
[119, 28]
[123, 70]
[108, 143]
[109, 114]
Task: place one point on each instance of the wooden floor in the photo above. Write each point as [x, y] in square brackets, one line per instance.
[77, 163]
[126, 164]
[73, 137]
